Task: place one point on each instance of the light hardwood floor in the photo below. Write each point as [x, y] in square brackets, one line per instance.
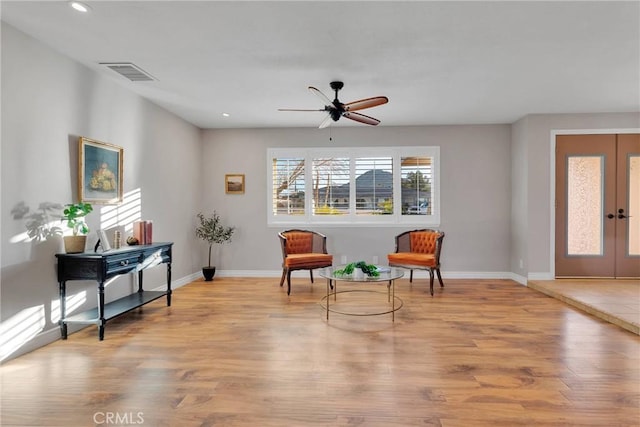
[239, 352]
[616, 301]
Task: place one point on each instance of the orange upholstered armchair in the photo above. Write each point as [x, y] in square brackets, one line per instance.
[419, 250]
[302, 250]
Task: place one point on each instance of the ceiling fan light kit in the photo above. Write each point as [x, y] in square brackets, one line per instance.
[336, 109]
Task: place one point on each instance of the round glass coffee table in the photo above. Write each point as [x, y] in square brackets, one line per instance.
[387, 274]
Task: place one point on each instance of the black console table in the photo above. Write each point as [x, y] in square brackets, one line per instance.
[103, 266]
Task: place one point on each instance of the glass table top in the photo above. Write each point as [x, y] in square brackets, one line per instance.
[386, 274]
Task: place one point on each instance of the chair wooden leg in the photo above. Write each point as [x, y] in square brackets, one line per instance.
[284, 274]
[431, 281]
[311, 275]
[439, 277]
[289, 282]
[411, 276]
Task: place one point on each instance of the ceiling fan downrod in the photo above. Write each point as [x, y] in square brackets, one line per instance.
[336, 86]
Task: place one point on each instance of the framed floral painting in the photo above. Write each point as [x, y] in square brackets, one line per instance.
[99, 172]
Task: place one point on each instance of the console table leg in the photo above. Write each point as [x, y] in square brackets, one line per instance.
[169, 284]
[101, 319]
[63, 309]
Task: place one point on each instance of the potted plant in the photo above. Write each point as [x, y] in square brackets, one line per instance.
[358, 269]
[74, 214]
[211, 231]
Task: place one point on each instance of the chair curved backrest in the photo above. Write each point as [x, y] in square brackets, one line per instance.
[419, 250]
[424, 241]
[302, 250]
[302, 241]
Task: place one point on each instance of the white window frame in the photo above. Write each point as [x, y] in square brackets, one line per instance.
[353, 219]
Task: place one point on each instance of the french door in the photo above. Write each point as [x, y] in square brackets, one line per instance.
[598, 206]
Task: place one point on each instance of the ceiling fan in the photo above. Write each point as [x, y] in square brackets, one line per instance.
[337, 109]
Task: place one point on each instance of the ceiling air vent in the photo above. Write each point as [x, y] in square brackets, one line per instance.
[130, 71]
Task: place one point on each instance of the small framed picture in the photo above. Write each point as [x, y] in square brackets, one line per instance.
[103, 240]
[99, 172]
[234, 183]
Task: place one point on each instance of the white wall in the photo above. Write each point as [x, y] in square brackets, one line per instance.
[48, 101]
[496, 191]
[475, 194]
[519, 212]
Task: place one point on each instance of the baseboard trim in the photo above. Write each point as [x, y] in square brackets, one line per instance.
[540, 276]
[175, 284]
[518, 278]
[416, 273]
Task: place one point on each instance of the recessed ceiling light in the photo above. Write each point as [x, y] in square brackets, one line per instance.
[225, 114]
[80, 7]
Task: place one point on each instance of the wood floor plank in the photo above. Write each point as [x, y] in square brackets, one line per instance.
[240, 352]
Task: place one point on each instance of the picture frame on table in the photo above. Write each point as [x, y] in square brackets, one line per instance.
[103, 241]
[100, 166]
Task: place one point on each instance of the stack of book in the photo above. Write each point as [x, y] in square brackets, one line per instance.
[143, 231]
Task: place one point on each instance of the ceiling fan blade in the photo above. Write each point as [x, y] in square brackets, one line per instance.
[295, 109]
[326, 122]
[361, 118]
[320, 95]
[366, 103]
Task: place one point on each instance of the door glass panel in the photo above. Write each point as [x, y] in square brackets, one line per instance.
[585, 205]
[634, 205]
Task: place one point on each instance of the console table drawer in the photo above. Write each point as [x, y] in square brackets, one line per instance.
[123, 263]
[153, 256]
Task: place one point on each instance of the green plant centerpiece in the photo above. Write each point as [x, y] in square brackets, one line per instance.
[74, 215]
[212, 231]
[368, 269]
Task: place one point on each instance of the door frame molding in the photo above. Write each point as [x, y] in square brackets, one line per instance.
[552, 182]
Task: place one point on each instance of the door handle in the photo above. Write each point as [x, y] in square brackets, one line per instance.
[611, 216]
[621, 214]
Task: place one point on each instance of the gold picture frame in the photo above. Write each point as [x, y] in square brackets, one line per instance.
[99, 172]
[234, 183]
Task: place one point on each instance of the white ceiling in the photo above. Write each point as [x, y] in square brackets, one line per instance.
[438, 62]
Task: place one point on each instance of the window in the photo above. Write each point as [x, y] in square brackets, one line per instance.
[374, 185]
[331, 187]
[288, 186]
[351, 186]
[417, 175]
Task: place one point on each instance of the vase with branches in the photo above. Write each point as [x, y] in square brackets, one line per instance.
[213, 232]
